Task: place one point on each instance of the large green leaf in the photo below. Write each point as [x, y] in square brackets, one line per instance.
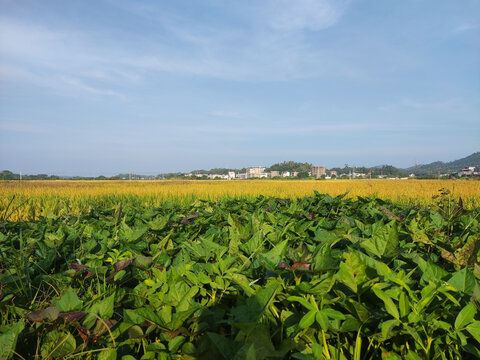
[474, 329]
[57, 344]
[273, 257]
[140, 315]
[9, 338]
[432, 272]
[384, 242]
[102, 308]
[308, 319]
[464, 281]
[389, 304]
[465, 316]
[352, 271]
[256, 305]
[302, 301]
[159, 223]
[254, 245]
[130, 234]
[224, 346]
[69, 301]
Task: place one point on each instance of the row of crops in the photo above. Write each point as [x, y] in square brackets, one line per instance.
[317, 277]
[28, 200]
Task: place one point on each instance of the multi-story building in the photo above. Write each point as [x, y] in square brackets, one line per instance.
[318, 171]
[467, 171]
[274, 173]
[255, 172]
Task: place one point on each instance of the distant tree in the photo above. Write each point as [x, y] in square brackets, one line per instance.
[302, 174]
[8, 175]
[290, 166]
[362, 169]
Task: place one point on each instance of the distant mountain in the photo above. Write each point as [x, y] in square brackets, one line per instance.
[449, 167]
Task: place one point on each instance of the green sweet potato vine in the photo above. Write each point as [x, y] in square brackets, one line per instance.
[312, 278]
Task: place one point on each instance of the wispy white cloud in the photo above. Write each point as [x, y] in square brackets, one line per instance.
[56, 59]
[80, 85]
[214, 130]
[305, 14]
[465, 27]
[64, 85]
[225, 114]
[445, 104]
[453, 104]
[22, 127]
[268, 46]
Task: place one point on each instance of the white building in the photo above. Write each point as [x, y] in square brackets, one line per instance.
[217, 176]
[255, 172]
[467, 171]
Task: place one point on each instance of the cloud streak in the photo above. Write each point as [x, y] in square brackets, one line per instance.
[305, 14]
[294, 129]
[465, 27]
[22, 127]
[258, 52]
[452, 104]
[225, 114]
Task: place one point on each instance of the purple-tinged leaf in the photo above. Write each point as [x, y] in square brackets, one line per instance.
[122, 264]
[300, 265]
[78, 267]
[72, 316]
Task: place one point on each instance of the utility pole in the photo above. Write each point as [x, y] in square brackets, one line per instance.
[20, 175]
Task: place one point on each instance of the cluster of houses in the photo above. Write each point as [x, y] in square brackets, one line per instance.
[318, 172]
[259, 172]
[466, 172]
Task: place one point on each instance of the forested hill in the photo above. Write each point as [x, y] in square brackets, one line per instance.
[290, 166]
[452, 166]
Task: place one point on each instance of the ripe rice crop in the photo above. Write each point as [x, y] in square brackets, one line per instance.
[22, 200]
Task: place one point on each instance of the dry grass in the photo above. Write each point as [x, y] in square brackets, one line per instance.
[34, 198]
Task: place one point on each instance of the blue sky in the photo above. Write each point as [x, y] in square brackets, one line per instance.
[107, 86]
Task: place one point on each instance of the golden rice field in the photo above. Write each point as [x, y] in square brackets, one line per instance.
[23, 200]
